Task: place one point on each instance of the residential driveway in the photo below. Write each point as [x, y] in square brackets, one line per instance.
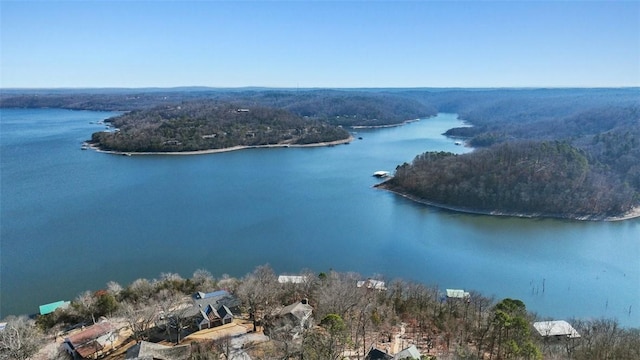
[239, 339]
[220, 332]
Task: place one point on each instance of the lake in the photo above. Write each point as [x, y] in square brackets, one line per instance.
[72, 220]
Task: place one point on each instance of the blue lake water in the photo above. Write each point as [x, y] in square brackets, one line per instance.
[72, 220]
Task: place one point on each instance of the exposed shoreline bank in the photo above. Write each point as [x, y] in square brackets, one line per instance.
[389, 125]
[632, 214]
[216, 151]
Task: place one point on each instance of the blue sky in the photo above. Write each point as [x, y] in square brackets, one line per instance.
[319, 44]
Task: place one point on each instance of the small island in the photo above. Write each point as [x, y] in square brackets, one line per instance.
[207, 126]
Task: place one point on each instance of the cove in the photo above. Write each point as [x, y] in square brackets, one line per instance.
[72, 220]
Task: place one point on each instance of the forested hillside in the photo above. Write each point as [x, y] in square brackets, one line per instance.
[338, 107]
[205, 125]
[347, 108]
[563, 152]
[528, 178]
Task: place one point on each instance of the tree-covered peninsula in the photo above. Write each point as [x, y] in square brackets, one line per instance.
[527, 178]
[208, 125]
[569, 153]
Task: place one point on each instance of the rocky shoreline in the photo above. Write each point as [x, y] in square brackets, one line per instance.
[216, 151]
[632, 214]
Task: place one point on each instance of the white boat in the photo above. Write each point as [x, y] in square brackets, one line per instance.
[381, 174]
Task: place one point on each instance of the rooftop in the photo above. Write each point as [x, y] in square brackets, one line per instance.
[556, 328]
[85, 342]
[51, 307]
[372, 284]
[292, 279]
[218, 293]
[146, 350]
[457, 294]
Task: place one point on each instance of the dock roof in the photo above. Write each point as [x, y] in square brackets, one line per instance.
[457, 294]
[292, 279]
[51, 307]
[556, 328]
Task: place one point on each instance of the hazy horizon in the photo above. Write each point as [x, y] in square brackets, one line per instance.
[251, 87]
[319, 44]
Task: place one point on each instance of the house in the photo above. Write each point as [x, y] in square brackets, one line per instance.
[409, 353]
[51, 307]
[292, 319]
[213, 309]
[211, 316]
[214, 294]
[377, 354]
[219, 296]
[457, 294]
[299, 312]
[215, 298]
[371, 284]
[556, 329]
[92, 341]
[291, 279]
[150, 351]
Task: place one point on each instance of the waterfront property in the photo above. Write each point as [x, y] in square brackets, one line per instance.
[212, 309]
[293, 318]
[92, 341]
[216, 298]
[211, 316]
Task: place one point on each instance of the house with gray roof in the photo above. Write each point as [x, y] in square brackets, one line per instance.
[149, 351]
[292, 319]
[409, 353]
[377, 354]
[212, 317]
[216, 299]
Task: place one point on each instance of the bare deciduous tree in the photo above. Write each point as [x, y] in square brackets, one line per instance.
[85, 305]
[203, 280]
[141, 317]
[20, 339]
[114, 288]
[259, 291]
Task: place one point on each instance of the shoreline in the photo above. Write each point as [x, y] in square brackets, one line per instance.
[632, 214]
[223, 150]
[389, 125]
